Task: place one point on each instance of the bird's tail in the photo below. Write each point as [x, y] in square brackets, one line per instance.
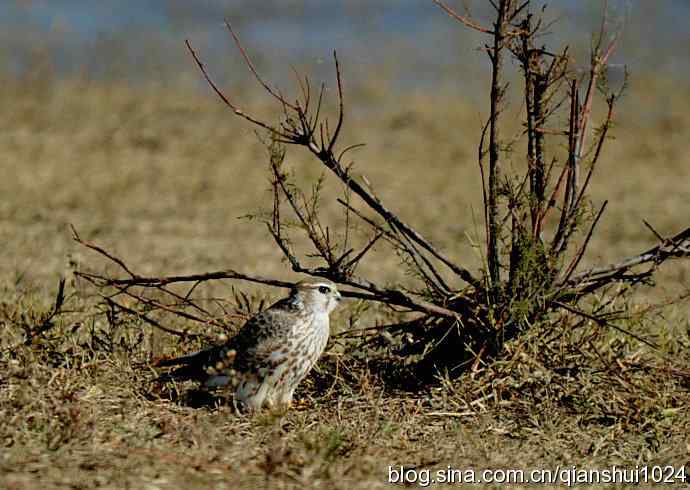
[192, 366]
[178, 361]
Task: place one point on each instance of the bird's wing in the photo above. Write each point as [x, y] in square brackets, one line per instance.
[249, 350]
[263, 335]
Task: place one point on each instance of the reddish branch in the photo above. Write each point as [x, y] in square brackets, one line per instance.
[464, 19]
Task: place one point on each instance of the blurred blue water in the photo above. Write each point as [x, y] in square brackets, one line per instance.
[137, 39]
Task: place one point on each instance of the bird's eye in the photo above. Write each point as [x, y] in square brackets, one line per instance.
[324, 289]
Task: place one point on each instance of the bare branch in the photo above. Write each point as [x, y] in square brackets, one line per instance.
[100, 250]
[206, 276]
[252, 68]
[467, 21]
[578, 256]
[598, 62]
[496, 98]
[375, 204]
[600, 144]
[654, 232]
[224, 98]
[304, 136]
[677, 246]
[341, 110]
[138, 314]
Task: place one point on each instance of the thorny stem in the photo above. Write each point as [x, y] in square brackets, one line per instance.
[496, 56]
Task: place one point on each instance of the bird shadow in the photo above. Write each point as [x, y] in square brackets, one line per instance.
[193, 397]
[197, 398]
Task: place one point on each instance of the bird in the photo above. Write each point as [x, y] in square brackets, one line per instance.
[271, 353]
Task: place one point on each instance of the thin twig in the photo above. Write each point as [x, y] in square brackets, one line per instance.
[462, 18]
[252, 68]
[603, 322]
[578, 256]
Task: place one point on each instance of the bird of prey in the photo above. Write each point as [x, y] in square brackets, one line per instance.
[269, 356]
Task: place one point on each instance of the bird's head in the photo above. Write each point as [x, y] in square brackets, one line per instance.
[319, 294]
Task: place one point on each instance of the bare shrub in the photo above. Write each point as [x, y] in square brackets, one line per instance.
[531, 307]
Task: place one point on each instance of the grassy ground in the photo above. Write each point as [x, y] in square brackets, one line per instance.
[160, 176]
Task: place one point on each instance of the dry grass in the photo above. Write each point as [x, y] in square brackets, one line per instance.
[161, 176]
